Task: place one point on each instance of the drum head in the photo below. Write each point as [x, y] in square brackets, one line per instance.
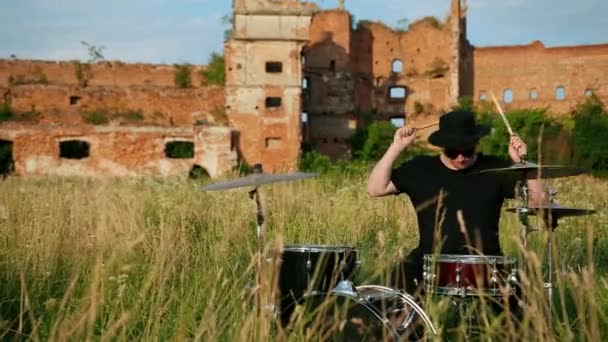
[340, 317]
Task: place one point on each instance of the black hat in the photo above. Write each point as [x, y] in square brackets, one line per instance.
[458, 129]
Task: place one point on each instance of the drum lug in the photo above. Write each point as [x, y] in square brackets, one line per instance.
[346, 287]
[513, 277]
[459, 280]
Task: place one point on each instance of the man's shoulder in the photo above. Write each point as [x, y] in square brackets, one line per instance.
[422, 160]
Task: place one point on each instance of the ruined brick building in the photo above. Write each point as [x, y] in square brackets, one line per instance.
[294, 73]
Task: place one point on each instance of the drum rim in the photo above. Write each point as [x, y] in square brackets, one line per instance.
[468, 292]
[471, 259]
[318, 248]
[361, 301]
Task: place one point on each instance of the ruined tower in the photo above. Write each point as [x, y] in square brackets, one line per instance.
[264, 79]
[457, 27]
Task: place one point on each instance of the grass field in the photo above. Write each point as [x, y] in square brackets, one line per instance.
[154, 259]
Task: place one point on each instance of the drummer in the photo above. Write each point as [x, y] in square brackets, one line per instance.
[457, 208]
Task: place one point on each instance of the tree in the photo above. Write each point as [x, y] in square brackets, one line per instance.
[214, 73]
[95, 54]
[402, 24]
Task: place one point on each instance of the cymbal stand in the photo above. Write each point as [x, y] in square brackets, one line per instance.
[255, 196]
[550, 224]
[524, 212]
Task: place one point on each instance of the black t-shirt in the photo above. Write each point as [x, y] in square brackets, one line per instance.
[439, 195]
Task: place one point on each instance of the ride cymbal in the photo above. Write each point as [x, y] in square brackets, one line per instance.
[529, 170]
[257, 179]
[554, 210]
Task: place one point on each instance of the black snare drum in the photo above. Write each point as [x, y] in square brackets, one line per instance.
[308, 269]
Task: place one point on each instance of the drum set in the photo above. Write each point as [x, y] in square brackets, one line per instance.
[316, 283]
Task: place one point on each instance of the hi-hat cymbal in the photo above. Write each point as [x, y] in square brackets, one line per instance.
[554, 210]
[257, 179]
[529, 170]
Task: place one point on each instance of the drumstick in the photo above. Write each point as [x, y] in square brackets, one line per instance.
[502, 115]
[427, 126]
[504, 119]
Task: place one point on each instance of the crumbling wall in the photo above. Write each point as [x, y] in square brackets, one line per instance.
[379, 70]
[105, 73]
[118, 151]
[131, 105]
[527, 68]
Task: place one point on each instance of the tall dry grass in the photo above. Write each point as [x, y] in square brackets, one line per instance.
[152, 259]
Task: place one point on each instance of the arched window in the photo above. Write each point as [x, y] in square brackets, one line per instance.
[397, 66]
[588, 92]
[483, 96]
[198, 172]
[560, 93]
[533, 94]
[507, 96]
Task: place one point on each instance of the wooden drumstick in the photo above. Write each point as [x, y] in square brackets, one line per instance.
[504, 119]
[427, 126]
[502, 114]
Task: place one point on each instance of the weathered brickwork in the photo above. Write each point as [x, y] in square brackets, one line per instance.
[126, 114]
[294, 74]
[350, 73]
[532, 69]
[117, 151]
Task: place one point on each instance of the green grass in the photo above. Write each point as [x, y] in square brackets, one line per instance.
[154, 259]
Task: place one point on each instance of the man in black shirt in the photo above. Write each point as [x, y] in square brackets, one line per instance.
[458, 208]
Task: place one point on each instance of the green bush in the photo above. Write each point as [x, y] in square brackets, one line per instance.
[314, 161]
[96, 117]
[214, 73]
[182, 77]
[555, 143]
[591, 136]
[132, 115]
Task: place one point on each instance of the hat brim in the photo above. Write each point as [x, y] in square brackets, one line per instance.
[441, 139]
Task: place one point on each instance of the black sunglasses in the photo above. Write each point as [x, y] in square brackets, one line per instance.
[453, 153]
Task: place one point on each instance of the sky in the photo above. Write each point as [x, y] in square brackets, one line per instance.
[179, 31]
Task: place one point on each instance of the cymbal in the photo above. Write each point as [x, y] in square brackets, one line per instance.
[257, 179]
[531, 170]
[554, 210]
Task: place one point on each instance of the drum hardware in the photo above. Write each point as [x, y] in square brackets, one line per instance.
[406, 299]
[550, 213]
[346, 287]
[255, 180]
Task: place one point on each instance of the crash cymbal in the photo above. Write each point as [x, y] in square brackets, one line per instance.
[529, 170]
[257, 179]
[554, 210]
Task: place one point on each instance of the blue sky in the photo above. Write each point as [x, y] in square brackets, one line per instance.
[174, 31]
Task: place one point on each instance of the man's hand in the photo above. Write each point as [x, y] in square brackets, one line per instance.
[404, 137]
[517, 149]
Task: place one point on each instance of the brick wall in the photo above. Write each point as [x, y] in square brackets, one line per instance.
[536, 67]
